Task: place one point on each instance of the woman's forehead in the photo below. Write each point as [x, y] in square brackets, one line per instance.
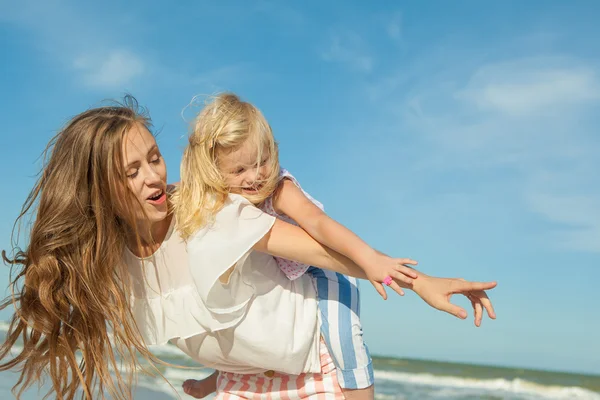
[137, 142]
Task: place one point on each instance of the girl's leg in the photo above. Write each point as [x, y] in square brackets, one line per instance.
[339, 308]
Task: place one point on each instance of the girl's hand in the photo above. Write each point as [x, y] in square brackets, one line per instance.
[379, 267]
[437, 293]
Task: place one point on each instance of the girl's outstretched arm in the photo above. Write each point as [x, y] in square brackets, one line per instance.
[291, 201]
[293, 243]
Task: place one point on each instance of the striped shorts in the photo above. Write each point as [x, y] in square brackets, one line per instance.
[339, 308]
[272, 385]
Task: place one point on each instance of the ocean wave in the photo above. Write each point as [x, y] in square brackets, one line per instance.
[513, 386]
[381, 396]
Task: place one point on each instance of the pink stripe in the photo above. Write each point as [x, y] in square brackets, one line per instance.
[245, 386]
[270, 389]
[225, 384]
[230, 384]
[320, 387]
[236, 390]
[283, 387]
[220, 395]
[300, 386]
[260, 383]
[330, 374]
[337, 389]
[286, 387]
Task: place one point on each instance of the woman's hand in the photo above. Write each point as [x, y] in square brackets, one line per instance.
[437, 293]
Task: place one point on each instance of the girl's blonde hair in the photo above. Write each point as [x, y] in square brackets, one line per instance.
[71, 290]
[225, 124]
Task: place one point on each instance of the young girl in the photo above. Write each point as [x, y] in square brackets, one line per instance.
[242, 158]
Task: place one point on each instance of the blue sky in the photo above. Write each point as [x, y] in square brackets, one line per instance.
[461, 134]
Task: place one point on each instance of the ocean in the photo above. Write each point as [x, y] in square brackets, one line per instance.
[395, 379]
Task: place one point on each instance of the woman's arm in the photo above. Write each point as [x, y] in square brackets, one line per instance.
[291, 201]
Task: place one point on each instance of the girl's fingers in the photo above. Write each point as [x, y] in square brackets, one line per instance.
[397, 275]
[407, 271]
[379, 287]
[396, 288]
[409, 261]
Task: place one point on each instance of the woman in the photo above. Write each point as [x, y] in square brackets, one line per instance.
[102, 250]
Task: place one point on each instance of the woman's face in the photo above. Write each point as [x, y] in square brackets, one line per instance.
[146, 172]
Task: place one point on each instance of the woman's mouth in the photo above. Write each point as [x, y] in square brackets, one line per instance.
[157, 197]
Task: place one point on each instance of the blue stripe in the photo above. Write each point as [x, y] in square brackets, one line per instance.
[322, 294]
[345, 322]
[347, 291]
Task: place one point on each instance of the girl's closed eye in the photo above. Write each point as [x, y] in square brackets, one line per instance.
[155, 159]
[132, 175]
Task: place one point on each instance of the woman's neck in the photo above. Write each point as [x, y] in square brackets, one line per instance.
[150, 237]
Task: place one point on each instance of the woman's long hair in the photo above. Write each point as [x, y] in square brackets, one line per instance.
[70, 286]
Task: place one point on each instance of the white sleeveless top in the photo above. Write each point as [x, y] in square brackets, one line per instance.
[259, 320]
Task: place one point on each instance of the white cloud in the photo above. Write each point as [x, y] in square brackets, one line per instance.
[350, 49]
[537, 85]
[527, 127]
[77, 40]
[114, 69]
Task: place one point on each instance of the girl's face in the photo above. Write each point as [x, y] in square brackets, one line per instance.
[146, 172]
[242, 172]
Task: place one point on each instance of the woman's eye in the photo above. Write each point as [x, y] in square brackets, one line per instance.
[133, 174]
